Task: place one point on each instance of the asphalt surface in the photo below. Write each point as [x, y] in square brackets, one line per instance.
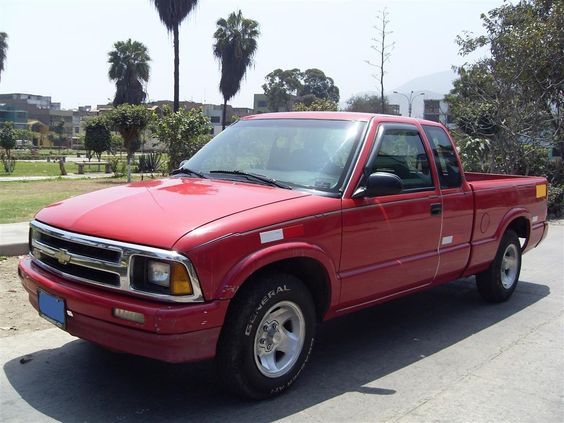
[442, 355]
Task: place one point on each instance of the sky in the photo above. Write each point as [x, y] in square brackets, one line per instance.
[60, 47]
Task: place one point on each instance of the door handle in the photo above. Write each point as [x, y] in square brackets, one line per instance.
[436, 209]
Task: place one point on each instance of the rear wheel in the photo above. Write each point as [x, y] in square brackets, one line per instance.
[498, 282]
[267, 337]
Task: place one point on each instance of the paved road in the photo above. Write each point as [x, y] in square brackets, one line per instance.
[441, 355]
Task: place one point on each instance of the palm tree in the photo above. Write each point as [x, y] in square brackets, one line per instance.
[172, 13]
[235, 45]
[129, 67]
[3, 49]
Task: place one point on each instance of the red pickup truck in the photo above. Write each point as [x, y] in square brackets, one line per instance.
[281, 221]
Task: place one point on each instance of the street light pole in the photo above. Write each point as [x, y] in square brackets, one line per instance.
[409, 99]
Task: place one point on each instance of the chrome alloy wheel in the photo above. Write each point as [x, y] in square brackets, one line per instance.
[509, 266]
[279, 339]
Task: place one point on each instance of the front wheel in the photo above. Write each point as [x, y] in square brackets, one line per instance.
[497, 283]
[267, 337]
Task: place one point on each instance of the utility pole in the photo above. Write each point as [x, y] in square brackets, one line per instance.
[412, 96]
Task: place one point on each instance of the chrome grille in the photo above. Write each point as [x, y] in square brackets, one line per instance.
[99, 261]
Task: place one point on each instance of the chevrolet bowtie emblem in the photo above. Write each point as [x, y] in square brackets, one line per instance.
[63, 256]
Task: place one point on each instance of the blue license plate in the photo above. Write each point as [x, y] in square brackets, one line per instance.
[52, 308]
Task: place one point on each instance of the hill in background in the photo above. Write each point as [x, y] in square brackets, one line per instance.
[434, 86]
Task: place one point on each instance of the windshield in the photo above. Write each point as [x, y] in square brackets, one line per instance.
[300, 153]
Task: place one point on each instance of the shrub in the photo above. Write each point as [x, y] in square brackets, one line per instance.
[182, 133]
[97, 136]
[555, 201]
[150, 162]
[118, 166]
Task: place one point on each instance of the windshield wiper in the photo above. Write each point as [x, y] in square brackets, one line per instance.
[254, 177]
[186, 171]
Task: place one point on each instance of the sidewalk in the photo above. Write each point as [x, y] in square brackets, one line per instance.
[69, 176]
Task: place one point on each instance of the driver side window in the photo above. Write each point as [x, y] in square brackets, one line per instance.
[401, 152]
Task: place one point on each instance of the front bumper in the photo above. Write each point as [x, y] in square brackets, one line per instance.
[170, 332]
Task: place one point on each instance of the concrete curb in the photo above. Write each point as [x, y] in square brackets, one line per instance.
[14, 239]
[18, 249]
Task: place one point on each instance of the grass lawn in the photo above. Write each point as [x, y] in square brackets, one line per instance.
[19, 201]
[40, 169]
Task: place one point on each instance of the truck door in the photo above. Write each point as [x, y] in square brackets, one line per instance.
[390, 243]
[458, 207]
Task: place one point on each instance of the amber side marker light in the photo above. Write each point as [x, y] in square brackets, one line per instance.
[541, 191]
[132, 316]
[180, 280]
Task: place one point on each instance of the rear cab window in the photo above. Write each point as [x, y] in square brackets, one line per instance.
[444, 156]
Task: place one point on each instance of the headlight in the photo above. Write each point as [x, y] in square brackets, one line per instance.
[158, 272]
[161, 277]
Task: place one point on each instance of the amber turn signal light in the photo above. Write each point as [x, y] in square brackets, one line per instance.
[180, 280]
[541, 191]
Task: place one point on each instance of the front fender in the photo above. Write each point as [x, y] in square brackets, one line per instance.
[239, 273]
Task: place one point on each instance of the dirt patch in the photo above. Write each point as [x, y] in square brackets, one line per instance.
[17, 315]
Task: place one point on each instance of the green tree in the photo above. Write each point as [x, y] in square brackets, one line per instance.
[23, 134]
[97, 136]
[367, 104]
[3, 50]
[172, 13]
[129, 68]
[182, 133]
[315, 83]
[235, 45]
[281, 87]
[116, 144]
[130, 120]
[8, 143]
[317, 106]
[513, 98]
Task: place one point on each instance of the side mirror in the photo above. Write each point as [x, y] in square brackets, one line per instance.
[382, 183]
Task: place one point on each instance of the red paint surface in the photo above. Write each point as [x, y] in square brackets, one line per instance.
[371, 249]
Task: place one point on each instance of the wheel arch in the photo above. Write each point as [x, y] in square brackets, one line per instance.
[519, 221]
[308, 263]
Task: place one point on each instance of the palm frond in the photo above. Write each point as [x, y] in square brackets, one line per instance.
[3, 49]
[235, 46]
[129, 68]
[173, 12]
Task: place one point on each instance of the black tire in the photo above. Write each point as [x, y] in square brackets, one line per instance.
[244, 333]
[497, 283]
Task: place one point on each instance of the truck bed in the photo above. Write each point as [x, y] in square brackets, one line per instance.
[499, 199]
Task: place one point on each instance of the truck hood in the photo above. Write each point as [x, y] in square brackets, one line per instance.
[158, 212]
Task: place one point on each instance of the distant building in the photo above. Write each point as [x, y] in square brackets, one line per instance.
[65, 126]
[39, 101]
[215, 113]
[79, 116]
[12, 114]
[260, 103]
[437, 111]
[393, 109]
[40, 133]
